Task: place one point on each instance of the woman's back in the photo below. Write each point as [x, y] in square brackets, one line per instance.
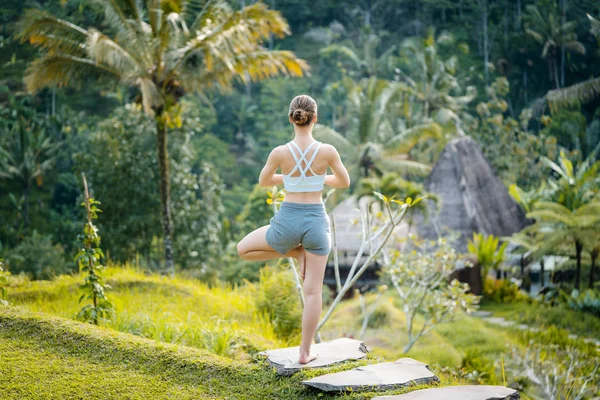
[304, 166]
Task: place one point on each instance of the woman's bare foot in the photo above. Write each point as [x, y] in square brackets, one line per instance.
[305, 359]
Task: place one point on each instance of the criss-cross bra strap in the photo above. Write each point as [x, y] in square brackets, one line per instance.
[303, 158]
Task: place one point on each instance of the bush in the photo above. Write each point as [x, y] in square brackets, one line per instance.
[379, 318]
[502, 291]
[278, 298]
[479, 365]
[37, 257]
[588, 301]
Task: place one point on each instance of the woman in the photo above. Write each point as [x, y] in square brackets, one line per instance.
[300, 228]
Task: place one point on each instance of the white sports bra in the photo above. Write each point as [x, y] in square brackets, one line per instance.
[303, 183]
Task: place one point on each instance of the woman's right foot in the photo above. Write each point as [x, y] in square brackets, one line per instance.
[306, 359]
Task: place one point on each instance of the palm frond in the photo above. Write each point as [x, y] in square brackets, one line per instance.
[398, 165]
[258, 65]
[403, 142]
[55, 35]
[582, 92]
[104, 50]
[341, 50]
[327, 135]
[64, 70]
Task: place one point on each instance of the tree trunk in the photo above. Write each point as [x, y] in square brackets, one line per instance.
[26, 203]
[518, 20]
[594, 257]
[486, 55]
[53, 100]
[505, 29]
[542, 273]
[578, 248]
[562, 47]
[556, 73]
[525, 84]
[165, 193]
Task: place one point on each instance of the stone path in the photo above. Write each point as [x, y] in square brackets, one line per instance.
[329, 353]
[481, 392]
[380, 376]
[389, 375]
[508, 323]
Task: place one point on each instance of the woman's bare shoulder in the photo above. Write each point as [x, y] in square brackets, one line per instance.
[328, 150]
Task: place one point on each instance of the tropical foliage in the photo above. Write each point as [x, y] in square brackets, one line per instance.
[164, 51]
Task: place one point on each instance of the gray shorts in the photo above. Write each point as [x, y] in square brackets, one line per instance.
[300, 223]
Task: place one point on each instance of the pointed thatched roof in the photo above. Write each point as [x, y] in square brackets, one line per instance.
[473, 199]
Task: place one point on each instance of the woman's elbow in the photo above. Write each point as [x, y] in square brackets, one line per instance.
[264, 183]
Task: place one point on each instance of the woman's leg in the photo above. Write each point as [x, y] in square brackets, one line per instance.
[254, 247]
[313, 286]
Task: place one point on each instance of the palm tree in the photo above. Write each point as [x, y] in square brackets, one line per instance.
[374, 146]
[553, 35]
[364, 61]
[164, 49]
[556, 223]
[432, 80]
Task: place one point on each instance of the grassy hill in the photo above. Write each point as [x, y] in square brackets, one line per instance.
[44, 356]
[177, 337]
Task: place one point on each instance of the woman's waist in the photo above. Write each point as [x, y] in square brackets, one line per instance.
[315, 197]
[302, 203]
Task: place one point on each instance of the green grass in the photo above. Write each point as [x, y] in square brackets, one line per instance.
[223, 319]
[211, 321]
[43, 356]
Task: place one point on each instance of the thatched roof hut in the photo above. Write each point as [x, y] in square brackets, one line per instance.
[473, 198]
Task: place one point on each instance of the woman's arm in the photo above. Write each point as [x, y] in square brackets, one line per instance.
[340, 177]
[268, 177]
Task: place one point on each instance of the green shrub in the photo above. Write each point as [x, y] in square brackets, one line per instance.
[480, 366]
[37, 257]
[588, 301]
[502, 291]
[278, 298]
[379, 318]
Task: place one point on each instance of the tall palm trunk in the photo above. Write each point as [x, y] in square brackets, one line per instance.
[165, 192]
[26, 203]
[594, 256]
[542, 273]
[578, 248]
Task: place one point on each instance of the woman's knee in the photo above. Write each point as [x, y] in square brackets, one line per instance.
[312, 291]
[241, 249]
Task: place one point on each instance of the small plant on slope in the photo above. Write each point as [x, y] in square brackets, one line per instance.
[88, 258]
[420, 276]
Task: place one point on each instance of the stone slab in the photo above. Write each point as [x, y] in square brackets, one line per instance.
[332, 352]
[390, 375]
[481, 314]
[499, 321]
[479, 392]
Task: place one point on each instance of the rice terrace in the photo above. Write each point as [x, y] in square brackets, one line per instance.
[274, 199]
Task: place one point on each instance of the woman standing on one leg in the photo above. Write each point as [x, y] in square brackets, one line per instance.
[300, 228]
